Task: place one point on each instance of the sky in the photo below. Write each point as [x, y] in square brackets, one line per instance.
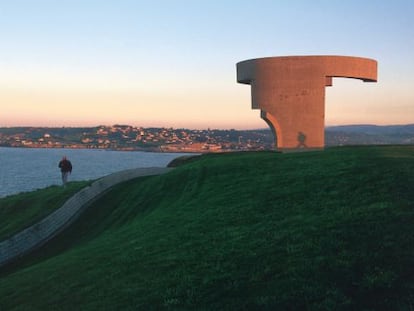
[172, 63]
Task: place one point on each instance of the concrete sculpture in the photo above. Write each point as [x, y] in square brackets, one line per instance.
[290, 91]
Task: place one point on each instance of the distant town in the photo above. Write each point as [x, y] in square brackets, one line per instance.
[131, 138]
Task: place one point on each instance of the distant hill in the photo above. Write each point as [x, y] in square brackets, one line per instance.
[138, 138]
[366, 134]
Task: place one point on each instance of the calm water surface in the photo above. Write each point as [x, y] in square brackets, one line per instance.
[24, 169]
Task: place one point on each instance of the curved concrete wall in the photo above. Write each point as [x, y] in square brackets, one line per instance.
[290, 91]
[38, 234]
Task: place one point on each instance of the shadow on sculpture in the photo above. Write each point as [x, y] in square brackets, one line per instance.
[301, 140]
[290, 92]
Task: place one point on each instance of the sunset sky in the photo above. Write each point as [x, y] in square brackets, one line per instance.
[173, 63]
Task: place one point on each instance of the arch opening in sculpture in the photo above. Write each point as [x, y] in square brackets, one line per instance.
[273, 124]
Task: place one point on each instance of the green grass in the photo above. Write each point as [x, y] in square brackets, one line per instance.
[20, 211]
[330, 230]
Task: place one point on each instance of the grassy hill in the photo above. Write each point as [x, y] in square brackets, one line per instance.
[330, 230]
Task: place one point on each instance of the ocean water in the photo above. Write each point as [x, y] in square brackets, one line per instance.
[27, 169]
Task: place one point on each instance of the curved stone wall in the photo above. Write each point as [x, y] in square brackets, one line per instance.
[41, 232]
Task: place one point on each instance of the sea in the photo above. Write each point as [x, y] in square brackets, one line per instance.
[28, 169]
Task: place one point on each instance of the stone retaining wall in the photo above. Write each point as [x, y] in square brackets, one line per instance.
[41, 232]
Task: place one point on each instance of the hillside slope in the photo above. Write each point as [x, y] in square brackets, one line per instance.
[328, 230]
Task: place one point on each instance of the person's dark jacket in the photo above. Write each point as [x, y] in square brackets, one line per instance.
[65, 166]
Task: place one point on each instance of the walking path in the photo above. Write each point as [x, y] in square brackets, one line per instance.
[41, 232]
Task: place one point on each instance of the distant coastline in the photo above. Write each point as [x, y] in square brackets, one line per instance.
[130, 138]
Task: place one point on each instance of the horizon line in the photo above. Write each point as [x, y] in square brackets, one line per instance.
[205, 128]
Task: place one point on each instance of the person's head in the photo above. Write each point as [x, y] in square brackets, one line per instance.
[64, 158]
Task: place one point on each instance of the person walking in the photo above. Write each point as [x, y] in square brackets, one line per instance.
[66, 169]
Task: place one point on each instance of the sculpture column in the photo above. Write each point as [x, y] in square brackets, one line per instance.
[290, 91]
